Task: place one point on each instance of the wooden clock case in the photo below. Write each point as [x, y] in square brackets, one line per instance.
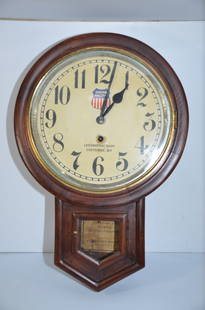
[126, 207]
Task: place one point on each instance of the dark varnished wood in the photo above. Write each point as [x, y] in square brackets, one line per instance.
[98, 274]
[65, 48]
[125, 206]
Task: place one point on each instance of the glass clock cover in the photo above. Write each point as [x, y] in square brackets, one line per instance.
[101, 120]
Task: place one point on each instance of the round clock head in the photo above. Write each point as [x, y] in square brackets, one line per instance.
[102, 115]
[100, 120]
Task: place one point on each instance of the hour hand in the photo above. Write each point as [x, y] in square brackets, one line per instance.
[117, 98]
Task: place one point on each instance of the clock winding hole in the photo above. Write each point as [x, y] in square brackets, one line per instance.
[100, 139]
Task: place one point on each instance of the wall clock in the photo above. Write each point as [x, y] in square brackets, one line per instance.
[101, 121]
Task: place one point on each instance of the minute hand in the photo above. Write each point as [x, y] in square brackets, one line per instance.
[108, 89]
[117, 98]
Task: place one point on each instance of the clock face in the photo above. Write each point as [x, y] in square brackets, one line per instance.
[101, 120]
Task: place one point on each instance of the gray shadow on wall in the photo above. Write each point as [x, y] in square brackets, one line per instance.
[49, 218]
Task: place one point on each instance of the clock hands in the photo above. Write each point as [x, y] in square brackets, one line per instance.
[117, 98]
[100, 118]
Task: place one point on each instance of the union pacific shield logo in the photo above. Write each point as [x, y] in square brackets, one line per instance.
[98, 98]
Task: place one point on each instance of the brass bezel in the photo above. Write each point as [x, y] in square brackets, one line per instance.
[170, 139]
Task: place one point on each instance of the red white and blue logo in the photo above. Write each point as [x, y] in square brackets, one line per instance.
[98, 98]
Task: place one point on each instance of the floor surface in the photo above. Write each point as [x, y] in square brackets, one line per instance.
[168, 282]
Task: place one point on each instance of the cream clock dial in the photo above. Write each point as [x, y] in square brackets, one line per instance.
[100, 120]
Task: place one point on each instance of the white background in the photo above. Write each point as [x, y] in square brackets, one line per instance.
[175, 213]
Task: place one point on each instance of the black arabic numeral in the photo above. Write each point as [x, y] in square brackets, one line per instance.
[150, 124]
[96, 73]
[142, 92]
[51, 117]
[79, 80]
[75, 163]
[62, 95]
[58, 145]
[142, 147]
[104, 70]
[97, 167]
[122, 163]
